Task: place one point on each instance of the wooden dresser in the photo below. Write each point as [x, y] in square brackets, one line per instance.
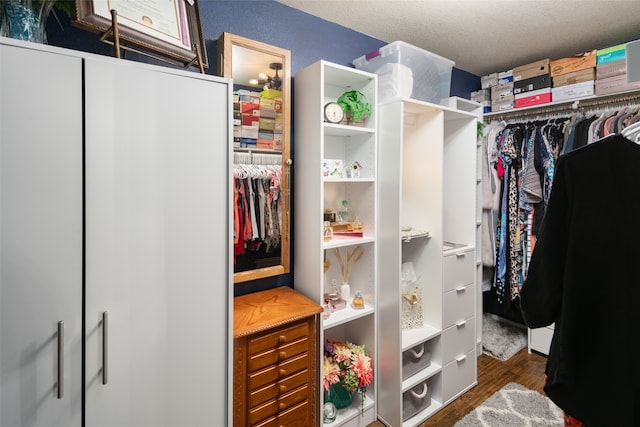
[275, 357]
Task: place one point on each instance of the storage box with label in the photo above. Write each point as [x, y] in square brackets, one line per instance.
[576, 90]
[536, 97]
[610, 54]
[576, 62]
[533, 69]
[615, 84]
[502, 92]
[488, 81]
[581, 76]
[611, 69]
[505, 77]
[533, 83]
[502, 106]
[406, 71]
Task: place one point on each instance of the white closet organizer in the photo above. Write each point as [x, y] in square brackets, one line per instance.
[114, 257]
[315, 140]
[427, 181]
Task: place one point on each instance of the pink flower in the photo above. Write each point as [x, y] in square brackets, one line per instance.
[331, 373]
[362, 367]
[341, 353]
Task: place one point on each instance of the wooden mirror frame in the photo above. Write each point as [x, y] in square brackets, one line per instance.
[224, 65]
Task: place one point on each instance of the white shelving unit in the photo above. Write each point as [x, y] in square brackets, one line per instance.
[427, 181]
[316, 140]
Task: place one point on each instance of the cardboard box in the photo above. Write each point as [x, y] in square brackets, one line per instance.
[611, 69]
[536, 97]
[503, 106]
[615, 84]
[576, 62]
[505, 77]
[488, 81]
[250, 132]
[610, 54]
[533, 69]
[265, 144]
[531, 84]
[574, 77]
[576, 90]
[501, 92]
[481, 95]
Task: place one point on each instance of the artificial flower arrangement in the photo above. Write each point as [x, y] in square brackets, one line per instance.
[347, 364]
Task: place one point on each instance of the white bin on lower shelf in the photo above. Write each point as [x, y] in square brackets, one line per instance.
[415, 400]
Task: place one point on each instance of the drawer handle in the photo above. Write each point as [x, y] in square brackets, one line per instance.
[283, 388]
[283, 355]
[461, 323]
[283, 373]
[460, 289]
[461, 358]
[282, 406]
[422, 394]
[460, 255]
[282, 339]
[417, 354]
[60, 364]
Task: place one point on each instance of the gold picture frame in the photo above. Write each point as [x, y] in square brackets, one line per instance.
[168, 30]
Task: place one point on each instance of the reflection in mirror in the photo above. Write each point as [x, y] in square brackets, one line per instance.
[261, 209]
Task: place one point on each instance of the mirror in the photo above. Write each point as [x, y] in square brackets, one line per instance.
[261, 76]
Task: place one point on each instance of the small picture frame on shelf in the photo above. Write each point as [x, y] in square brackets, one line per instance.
[332, 168]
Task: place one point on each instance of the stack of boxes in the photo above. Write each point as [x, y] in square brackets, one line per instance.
[498, 89]
[573, 77]
[257, 119]
[532, 84]
[611, 71]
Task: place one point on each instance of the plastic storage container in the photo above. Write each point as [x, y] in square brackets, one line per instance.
[406, 71]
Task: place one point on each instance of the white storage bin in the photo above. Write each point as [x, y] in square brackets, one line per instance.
[415, 359]
[406, 71]
[415, 400]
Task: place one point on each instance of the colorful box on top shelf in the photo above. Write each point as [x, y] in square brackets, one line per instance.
[533, 69]
[580, 61]
[572, 91]
[505, 77]
[610, 54]
[588, 74]
[536, 97]
[533, 83]
[611, 69]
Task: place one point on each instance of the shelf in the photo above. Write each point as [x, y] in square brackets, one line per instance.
[407, 236]
[348, 180]
[346, 130]
[413, 337]
[423, 415]
[346, 315]
[341, 241]
[420, 376]
[450, 250]
[352, 411]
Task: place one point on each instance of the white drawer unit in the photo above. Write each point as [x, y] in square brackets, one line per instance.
[459, 375]
[540, 339]
[458, 305]
[458, 269]
[458, 339]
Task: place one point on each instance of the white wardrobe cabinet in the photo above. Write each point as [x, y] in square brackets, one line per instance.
[142, 176]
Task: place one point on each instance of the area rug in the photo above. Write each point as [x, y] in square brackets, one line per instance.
[501, 339]
[514, 405]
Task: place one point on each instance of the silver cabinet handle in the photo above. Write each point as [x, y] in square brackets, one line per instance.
[60, 391]
[105, 346]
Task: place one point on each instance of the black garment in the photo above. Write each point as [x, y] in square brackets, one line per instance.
[584, 276]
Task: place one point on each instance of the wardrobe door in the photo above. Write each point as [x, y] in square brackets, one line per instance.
[41, 238]
[157, 246]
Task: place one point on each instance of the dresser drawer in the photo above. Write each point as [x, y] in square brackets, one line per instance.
[276, 355]
[458, 269]
[277, 372]
[458, 305]
[277, 338]
[273, 390]
[458, 339]
[298, 416]
[279, 405]
[459, 375]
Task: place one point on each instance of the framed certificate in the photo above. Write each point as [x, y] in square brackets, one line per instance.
[168, 28]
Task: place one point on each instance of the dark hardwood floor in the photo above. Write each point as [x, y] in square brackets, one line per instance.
[523, 368]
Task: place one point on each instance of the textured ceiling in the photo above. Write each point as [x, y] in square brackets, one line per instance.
[483, 36]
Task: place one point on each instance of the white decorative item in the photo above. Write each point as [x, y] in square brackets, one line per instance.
[332, 168]
[412, 298]
[345, 291]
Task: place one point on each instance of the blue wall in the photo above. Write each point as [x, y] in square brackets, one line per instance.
[307, 37]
